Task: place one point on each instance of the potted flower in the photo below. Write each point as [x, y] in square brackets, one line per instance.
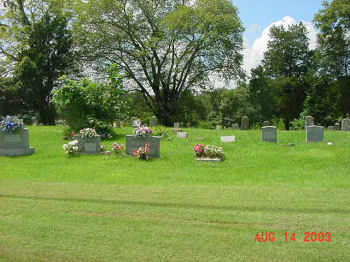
[208, 153]
[141, 153]
[89, 142]
[14, 138]
[142, 136]
[71, 148]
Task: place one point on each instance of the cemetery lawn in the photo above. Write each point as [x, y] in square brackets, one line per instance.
[93, 208]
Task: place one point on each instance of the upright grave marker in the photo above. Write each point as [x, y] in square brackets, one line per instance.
[245, 123]
[176, 128]
[269, 134]
[309, 121]
[235, 126]
[153, 121]
[345, 124]
[314, 133]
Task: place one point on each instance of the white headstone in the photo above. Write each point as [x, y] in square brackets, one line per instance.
[182, 134]
[345, 124]
[309, 121]
[228, 139]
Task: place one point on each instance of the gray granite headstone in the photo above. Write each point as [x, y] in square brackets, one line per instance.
[337, 127]
[182, 134]
[331, 128]
[309, 121]
[15, 144]
[345, 124]
[134, 142]
[218, 127]
[153, 121]
[265, 123]
[235, 126]
[314, 134]
[89, 145]
[269, 134]
[245, 123]
[117, 124]
[176, 125]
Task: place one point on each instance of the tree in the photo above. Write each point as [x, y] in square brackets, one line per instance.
[287, 62]
[165, 47]
[333, 22]
[37, 42]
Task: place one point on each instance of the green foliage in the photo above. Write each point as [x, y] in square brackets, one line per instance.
[162, 132]
[86, 103]
[164, 47]
[38, 46]
[334, 38]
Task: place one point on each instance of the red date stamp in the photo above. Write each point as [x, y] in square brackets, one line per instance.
[286, 236]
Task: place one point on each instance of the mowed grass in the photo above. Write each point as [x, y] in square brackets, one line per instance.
[94, 208]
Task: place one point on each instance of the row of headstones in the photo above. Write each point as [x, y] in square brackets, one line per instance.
[313, 133]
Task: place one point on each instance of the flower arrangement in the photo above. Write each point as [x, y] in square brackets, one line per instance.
[10, 124]
[87, 132]
[142, 131]
[141, 153]
[208, 151]
[117, 149]
[71, 148]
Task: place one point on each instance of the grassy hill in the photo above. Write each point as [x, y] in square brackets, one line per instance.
[98, 208]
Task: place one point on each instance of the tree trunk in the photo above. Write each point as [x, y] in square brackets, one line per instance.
[47, 115]
[286, 124]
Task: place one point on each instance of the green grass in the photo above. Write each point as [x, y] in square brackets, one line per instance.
[93, 208]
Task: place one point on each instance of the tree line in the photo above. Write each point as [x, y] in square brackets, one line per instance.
[167, 51]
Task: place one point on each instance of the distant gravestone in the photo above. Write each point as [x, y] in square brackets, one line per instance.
[135, 122]
[228, 139]
[235, 126]
[182, 134]
[245, 123]
[266, 123]
[309, 121]
[331, 128]
[345, 124]
[153, 121]
[218, 127]
[176, 128]
[314, 133]
[269, 134]
[117, 124]
[337, 127]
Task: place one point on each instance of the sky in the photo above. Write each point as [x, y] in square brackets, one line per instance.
[258, 16]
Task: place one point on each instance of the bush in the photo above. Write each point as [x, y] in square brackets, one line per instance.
[85, 103]
[162, 132]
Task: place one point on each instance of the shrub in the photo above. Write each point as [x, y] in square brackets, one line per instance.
[85, 103]
[162, 132]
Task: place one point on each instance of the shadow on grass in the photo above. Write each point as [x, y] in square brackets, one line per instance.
[184, 205]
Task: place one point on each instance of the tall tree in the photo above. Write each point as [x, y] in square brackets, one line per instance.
[333, 22]
[36, 39]
[287, 61]
[164, 47]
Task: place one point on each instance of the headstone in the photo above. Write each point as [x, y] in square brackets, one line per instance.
[309, 121]
[245, 123]
[314, 133]
[117, 124]
[16, 143]
[331, 128]
[235, 126]
[228, 139]
[153, 121]
[345, 124]
[337, 127]
[218, 127]
[135, 122]
[134, 142]
[182, 134]
[88, 145]
[266, 123]
[269, 134]
[176, 128]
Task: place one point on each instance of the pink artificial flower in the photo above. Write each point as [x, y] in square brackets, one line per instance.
[107, 153]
